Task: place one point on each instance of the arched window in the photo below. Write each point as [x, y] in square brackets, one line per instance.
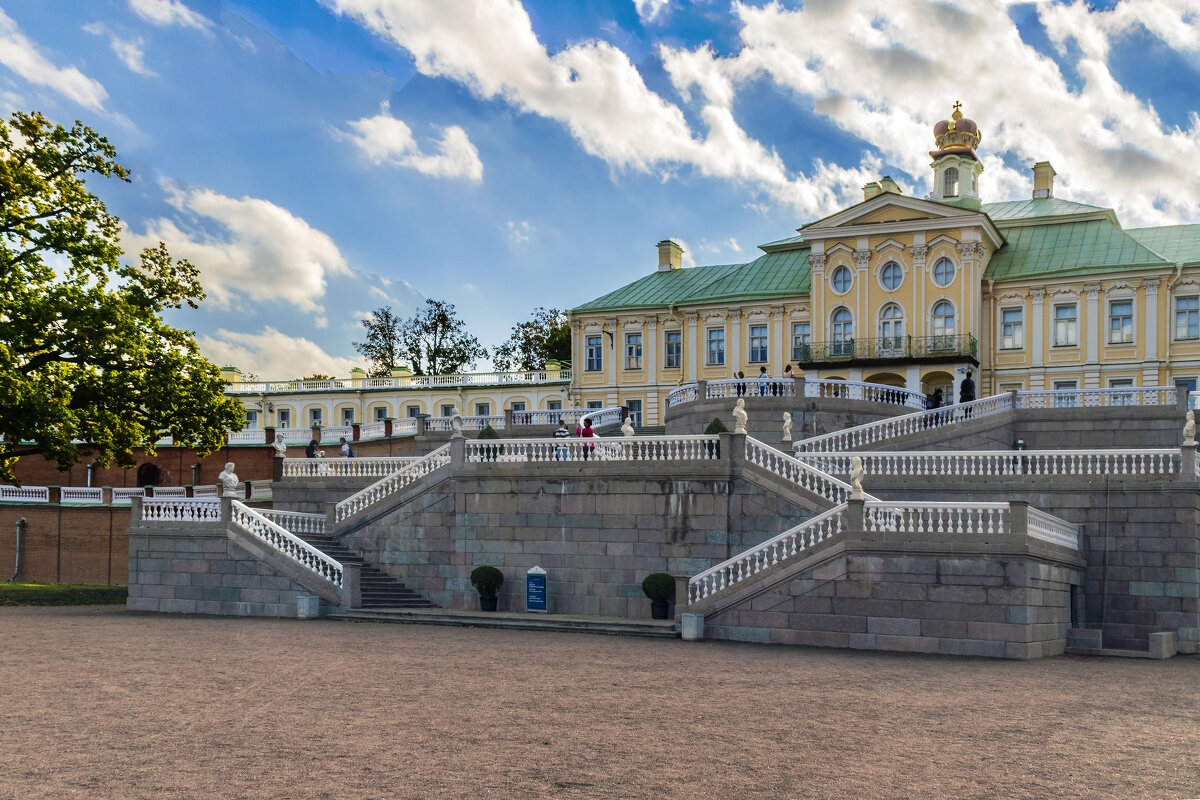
[950, 182]
[891, 327]
[943, 272]
[943, 325]
[842, 330]
[891, 275]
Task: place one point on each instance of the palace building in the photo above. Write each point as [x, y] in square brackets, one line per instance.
[1028, 294]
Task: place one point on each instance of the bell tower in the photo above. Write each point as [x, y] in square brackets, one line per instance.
[956, 168]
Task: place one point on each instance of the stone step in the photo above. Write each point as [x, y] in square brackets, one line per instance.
[377, 588]
[561, 623]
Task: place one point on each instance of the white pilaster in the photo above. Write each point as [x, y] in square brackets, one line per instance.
[1037, 324]
[1093, 322]
[777, 345]
[735, 359]
[1151, 326]
[691, 344]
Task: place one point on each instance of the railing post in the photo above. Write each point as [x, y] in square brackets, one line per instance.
[387, 428]
[55, 494]
[354, 431]
[226, 509]
[508, 420]
[269, 435]
[135, 511]
[733, 447]
[421, 425]
[316, 433]
[1181, 399]
[1187, 469]
[701, 390]
[798, 384]
[249, 489]
[1014, 397]
[351, 591]
[106, 495]
[1018, 517]
[854, 516]
[458, 452]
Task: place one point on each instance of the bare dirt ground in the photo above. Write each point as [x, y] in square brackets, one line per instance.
[101, 703]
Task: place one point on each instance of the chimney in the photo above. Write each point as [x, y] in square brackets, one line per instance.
[1043, 180]
[871, 190]
[889, 185]
[670, 256]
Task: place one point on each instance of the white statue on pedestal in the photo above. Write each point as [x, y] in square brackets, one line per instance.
[627, 427]
[787, 426]
[280, 446]
[739, 416]
[856, 478]
[229, 481]
[456, 425]
[1189, 429]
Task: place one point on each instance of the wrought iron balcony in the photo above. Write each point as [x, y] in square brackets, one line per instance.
[899, 348]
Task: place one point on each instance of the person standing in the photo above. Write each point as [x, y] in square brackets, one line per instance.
[586, 432]
[763, 379]
[561, 452]
[311, 450]
[966, 392]
[741, 382]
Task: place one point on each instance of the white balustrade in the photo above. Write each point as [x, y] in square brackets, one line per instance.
[120, 496]
[372, 430]
[780, 548]
[796, 471]
[1098, 398]
[205, 491]
[939, 518]
[750, 387]
[285, 543]
[955, 463]
[296, 522]
[858, 390]
[1050, 528]
[334, 432]
[884, 429]
[554, 376]
[294, 436]
[367, 467]
[684, 394]
[393, 483]
[637, 448]
[404, 426]
[186, 509]
[24, 494]
[82, 494]
[170, 491]
[248, 436]
[261, 490]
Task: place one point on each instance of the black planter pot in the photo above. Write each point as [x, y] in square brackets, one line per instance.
[659, 609]
[489, 603]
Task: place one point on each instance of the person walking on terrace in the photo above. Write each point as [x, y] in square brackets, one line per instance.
[966, 392]
[561, 452]
[763, 379]
[586, 432]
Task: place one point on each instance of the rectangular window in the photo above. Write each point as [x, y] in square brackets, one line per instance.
[554, 405]
[635, 412]
[1066, 400]
[1012, 328]
[595, 404]
[1187, 317]
[595, 355]
[674, 354]
[285, 418]
[316, 416]
[758, 344]
[447, 410]
[801, 342]
[716, 346]
[633, 351]
[1065, 325]
[380, 413]
[347, 416]
[1120, 322]
[1121, 398]
[483, 409]
[518, 405]
[1012, 387]
[251, 419]
[413, 411]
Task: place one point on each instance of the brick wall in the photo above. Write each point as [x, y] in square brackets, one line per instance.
[63, 544]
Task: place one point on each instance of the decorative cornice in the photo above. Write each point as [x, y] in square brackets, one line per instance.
[862, 258]
[1093, 290]
[817, 262]
[1037, 294]
[969, 250]
[691, 316]
[734, 315]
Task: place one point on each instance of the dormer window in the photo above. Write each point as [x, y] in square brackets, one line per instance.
[950, 182]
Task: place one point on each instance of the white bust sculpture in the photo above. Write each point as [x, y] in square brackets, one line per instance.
[787, 426]
[456, 425]
[280, 446]
[627, 427]
[1189, 429]
[739, 416]
[229, 481]
[856, 477]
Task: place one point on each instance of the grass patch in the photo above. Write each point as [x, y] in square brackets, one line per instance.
[60, 594]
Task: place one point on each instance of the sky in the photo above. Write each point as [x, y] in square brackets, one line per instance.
[317, 159]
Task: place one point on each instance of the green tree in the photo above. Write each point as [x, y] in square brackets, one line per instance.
[545, 336]
[84, 352]
[436, 341]
[383, 345]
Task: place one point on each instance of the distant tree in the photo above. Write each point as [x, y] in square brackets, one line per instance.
[436, 341]
[543, 337]
[85, 355]
[316, 376]
[383, 344]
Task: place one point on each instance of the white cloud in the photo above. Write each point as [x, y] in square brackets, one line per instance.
[517, 232]
[166, 13]
[733, 245]
[272, 355]
[251, 247]
[648, 10]
[128, 50]
[375, 291]
[25, 59]
[320, 322]
[386, 140]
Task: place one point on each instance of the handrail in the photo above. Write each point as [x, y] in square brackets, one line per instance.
[370, 467]
[892, 427]
[902, 516]
[771, 552]
[1146, 461]
[181, 509]
[296, 522]
[796, 471]
[636, 448]
[475, 423]
[392, 483]
[860, 390]
[25, 494]
[1050, 528]
[285, 543]
[1098, 398]
[554, 376]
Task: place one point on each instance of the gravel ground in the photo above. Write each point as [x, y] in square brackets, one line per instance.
[98, 702]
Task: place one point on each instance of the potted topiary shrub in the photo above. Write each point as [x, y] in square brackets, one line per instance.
[492, 452]
[712, 429]
[487, 580]
[660, 588]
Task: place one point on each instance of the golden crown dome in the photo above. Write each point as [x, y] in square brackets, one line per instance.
[956, 135]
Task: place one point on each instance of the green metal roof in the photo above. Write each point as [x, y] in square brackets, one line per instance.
[774, 275]
[1068, 248]
[1179, 243]
[1041, 207]
[783, 243]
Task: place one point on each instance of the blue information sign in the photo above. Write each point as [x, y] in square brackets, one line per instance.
[535, 590]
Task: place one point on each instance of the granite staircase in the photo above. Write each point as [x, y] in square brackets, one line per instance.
[379, 590]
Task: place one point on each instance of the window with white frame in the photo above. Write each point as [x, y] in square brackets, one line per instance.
[716, 346]
[1187, 317]
[758, 344]
[595, 404]
[891, 327]
[1066, 400]
[942, 319]
[251, 420]
[1120, 322]
[801, 342]
[554, 405]
[347, 416]
[943, 272]
[1066, 325]
[673, 357]
[1121, 398]
[1012, 328]
[380, 413]
[518, 405]
[841, 328]
[950, 182]
[285, 417]
[447, 409]
[412, 411]
[483, 409]
[841, 280]
[891, 276]
[595, 353]
[635, 412]
[1012, 387]
[633, 351]
[316, 416]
